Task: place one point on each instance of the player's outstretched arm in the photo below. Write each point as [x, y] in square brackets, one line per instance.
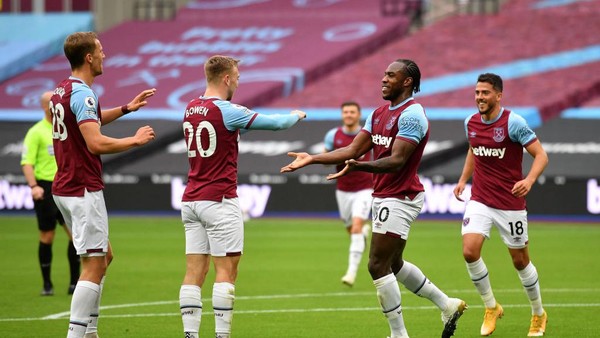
[360, 145]
[301, 115]
[138, 102]
[276, 122]
[401, 152]
[300, 160]
[99, 144]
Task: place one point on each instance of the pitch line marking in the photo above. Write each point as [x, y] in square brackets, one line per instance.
[270, 311]
[305, 295]
[65, 314]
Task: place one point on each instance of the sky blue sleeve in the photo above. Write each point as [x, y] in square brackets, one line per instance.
[413, 124]
[368, 124]
[518, 130]
[84, 103]
[466, 124]
[329, 139]
[235, 116]
[273, 122]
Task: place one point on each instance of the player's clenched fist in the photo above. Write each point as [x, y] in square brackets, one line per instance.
[300, 113]
[144, 135]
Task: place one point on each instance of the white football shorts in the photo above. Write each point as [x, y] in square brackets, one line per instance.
[213, 228]
[393, 216]
[512, 224]
[87, 219]
[353, 204]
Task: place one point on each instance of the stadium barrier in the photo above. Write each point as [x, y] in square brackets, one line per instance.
[266, 194]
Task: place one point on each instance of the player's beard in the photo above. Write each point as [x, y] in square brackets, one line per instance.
[489, 109]
[392, 94]
[97, 70]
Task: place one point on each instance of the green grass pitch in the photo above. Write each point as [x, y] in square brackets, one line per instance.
[289, 281]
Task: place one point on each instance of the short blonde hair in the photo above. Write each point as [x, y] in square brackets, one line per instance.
[218, 65]
[77, 46]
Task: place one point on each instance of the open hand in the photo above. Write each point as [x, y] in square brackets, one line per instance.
[350, 166]
[140, 100]
[300, 160]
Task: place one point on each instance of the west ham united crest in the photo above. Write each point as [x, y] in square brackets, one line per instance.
[499, 134]
[466, 221]
[390, 123]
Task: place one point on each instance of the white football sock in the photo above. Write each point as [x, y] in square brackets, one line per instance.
[190, 304]
[415, 281]
[481, 279]
[223, 298]
[357, 247]
[529, 279]
[388, 293]
[84, 298]
[93, 322]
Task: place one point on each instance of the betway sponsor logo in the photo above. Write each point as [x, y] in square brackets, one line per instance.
[489, 152]
[439, 197]
[593, 197]
[15, 196]
[381, 140]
